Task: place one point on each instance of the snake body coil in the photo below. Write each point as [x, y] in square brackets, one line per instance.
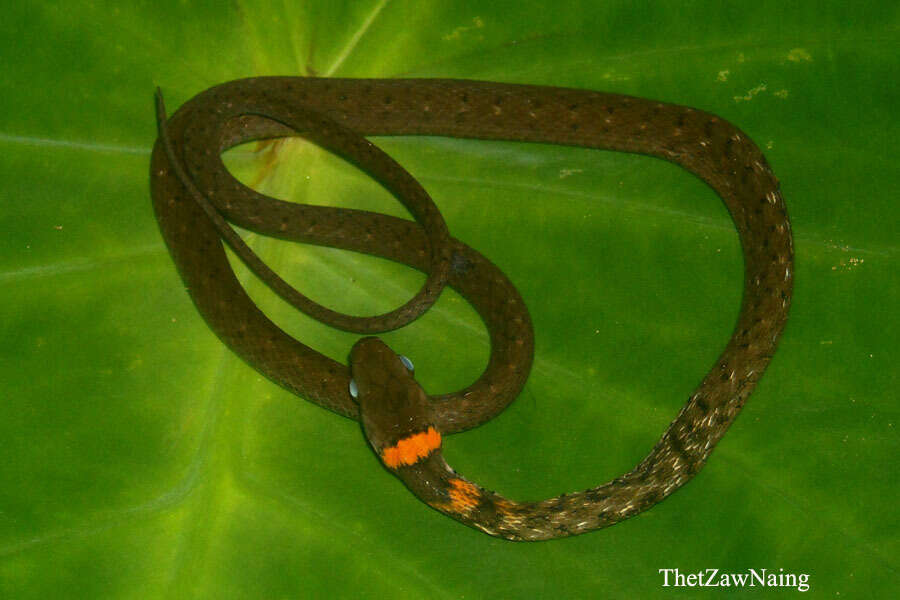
[190, 187]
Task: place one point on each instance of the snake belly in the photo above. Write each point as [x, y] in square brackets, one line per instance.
[404, 425]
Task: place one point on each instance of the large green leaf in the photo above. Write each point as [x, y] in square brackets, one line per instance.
[142, 459]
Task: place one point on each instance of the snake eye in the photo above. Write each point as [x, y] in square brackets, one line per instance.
[353, 390]
[407, 363]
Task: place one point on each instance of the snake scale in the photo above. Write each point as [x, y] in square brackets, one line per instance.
[194, 196]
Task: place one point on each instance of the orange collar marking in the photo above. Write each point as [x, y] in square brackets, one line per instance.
[411, 449]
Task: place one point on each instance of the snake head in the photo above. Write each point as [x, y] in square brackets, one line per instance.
[394, 409]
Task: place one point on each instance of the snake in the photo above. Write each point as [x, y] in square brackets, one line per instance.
[195, 198]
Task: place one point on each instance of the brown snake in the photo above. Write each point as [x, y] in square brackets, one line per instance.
[193, 194]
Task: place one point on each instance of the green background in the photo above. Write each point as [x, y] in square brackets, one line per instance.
[141, 459]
